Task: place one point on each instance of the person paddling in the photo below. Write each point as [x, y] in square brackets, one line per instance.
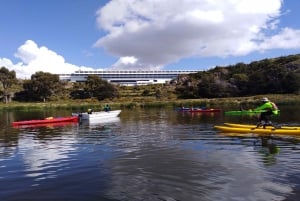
[269, 108]
[106, 108]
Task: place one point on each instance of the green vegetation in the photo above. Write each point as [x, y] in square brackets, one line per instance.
[277, 78]
[94, 87]
[40, 88]
[269, 76]
[7, 79]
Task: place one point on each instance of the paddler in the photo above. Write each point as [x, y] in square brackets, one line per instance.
[269, 108]
[106, 108]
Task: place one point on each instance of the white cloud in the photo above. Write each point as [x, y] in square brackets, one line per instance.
[149, 34]
[157, 33]
[34, 58]
[130, 62]
[286, 39]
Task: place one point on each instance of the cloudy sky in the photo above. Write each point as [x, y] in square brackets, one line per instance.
[61, 36]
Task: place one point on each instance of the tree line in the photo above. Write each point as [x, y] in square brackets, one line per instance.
[45, 86]
[278, 76]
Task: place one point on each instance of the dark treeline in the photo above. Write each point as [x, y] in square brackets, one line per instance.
[278, 76]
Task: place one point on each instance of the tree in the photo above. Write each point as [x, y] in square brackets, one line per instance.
[78, 91]
[240, 80]
[91, 85]
[7, 78]
[146, 92]
[42, 85]
[100, 89]
[291, 83]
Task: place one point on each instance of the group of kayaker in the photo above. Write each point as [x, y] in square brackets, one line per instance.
[265, 111]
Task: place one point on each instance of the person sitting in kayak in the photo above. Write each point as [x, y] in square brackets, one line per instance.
[268, 108]
[107, 108]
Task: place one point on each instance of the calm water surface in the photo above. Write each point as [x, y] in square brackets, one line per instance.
[146, 154]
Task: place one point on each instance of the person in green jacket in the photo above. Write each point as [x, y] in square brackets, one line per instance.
[106, 108]
[269, 108]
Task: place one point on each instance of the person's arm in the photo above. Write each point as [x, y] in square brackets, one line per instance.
[262, 107]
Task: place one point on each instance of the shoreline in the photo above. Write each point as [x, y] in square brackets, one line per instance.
[279, 99]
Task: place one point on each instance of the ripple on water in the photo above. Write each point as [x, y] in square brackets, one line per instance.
[147, 156]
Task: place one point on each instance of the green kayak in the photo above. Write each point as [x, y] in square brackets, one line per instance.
[245, 112]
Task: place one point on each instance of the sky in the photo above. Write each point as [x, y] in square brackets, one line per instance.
[62, 36]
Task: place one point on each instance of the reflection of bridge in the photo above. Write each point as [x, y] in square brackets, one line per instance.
[130, 77]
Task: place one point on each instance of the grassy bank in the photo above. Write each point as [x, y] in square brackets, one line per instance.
[286, 99]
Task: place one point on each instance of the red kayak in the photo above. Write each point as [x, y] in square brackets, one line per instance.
[50, 125]
[204, 110]
[46, 121]
[186, 109]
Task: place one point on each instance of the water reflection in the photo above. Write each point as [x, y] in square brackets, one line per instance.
[45, 151]
[146, 154]
[189, 172]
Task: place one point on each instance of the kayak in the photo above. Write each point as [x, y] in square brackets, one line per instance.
[242, 112]
[205, 110]
[267, 130]
[186, 109]
[50, 125]
[254, 126]
[46, 120]
[245, 112]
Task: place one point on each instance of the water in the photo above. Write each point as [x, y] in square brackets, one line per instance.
[146, 154]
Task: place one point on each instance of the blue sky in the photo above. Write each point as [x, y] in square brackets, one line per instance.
[61, 36]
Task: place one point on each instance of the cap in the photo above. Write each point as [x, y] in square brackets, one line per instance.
[265, 99]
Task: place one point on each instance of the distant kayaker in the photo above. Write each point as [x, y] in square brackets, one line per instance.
[90, 111]
[107, 108]
[268, 108]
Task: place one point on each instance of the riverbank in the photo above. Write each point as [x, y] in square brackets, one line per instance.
[279, 99]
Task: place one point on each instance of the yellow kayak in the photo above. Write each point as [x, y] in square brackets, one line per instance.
[254, 126]
[255, 130]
